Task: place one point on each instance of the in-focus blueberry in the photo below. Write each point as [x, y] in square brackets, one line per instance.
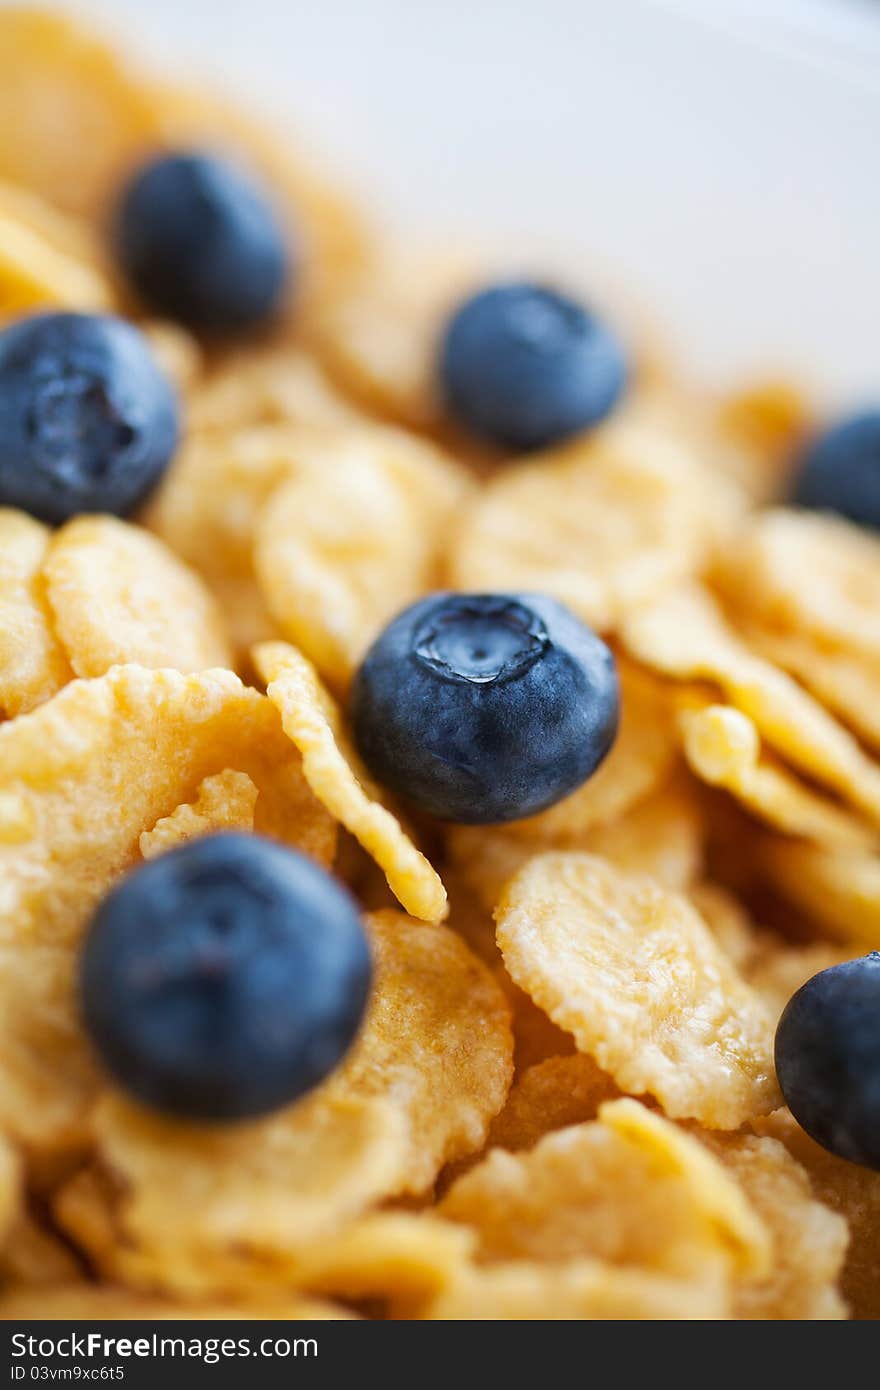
[483, 708]
[224, 979]
[88, 422]
[828, 1059]
[524, 366]
[201, 243]
[840, 471]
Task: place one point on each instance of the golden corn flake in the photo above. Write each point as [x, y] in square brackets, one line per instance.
[603, 524]
[382, 341]
[395, 1256]
[637, 977]
[71, 116]
[553, 1094]
[271, 385]
[723, 747]
[436, 1043]
[846, 683]
[854, 1193]
[85, 1302]
[578, 1290]
[196, 1209]
[661, 837]
[813, 574]
[118, 595]
[352, 539]
[37, 274]
[48, 1079]
[683, 635]
[206, 511]
[836, 887]
[85, 774]
[639, 762]
[224, 802]
[313, 722]
[33, 665]
[808, 1240]
[629, 1188]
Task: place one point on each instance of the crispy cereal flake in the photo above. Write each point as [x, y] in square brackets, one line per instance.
[33, 665]
[206, 1209]
[353, 538]
[436, 1042]
[723, 748]
[636, 976]
[313, 722]
[94, 767]
[683, 635]
[224, 802]
[602, 524]
[118, 595]
[808, 1241]
[630, 1188]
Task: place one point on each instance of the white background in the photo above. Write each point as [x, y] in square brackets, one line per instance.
[719, 157]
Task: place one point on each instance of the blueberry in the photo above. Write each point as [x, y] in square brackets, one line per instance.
[224, 979]
[88, 422]
[483, 708]
[524, 366]
[201, 243]
[840, 471]
[828, 1059]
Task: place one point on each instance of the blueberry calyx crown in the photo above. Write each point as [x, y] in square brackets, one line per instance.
[480, 639]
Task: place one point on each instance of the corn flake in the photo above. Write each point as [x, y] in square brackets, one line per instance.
[343, 546]
[851, 1191]
[629, 1188]
[48, 1079]
[118, 595]
[395, 1256]
[723, 747]
[84, 1302]
[437, 1042]
[553, 1094]
[33, 665]
[683, 635]
[313, 722]
[603, 524]
[808, 1240]
[838, 888]
[636, 976]
[226, 801]
[661, 837]
[267, 385]
[37, 274]
[812, 574]
[94, 767]
[579, 1290]
[847, 684]
[200, 1210]
[381, 342]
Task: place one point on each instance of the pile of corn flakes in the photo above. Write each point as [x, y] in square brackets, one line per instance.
[562, 1103]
